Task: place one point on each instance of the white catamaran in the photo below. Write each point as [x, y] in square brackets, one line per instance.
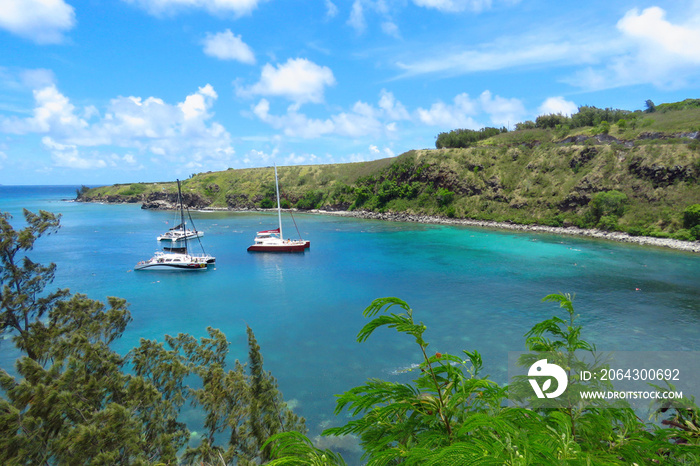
[179, 233]
[178, 258]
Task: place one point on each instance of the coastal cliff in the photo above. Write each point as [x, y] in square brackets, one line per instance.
[640, 182]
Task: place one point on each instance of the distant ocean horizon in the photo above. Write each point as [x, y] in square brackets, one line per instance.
[475, 289]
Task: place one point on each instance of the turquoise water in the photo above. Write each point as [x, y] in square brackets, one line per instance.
[474, 289]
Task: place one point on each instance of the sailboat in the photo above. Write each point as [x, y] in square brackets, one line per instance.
[180, 232]
[177, 258]
[273, 240]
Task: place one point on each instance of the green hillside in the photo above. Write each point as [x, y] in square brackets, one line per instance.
[639, 174]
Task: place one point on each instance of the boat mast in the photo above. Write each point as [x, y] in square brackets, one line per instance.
[279, 210]
[182, 215]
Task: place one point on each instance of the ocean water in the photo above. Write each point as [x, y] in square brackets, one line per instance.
[475, 289]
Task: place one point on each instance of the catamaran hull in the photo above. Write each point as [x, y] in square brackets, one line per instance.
[175, 261]
[180, 238]
[172, 267]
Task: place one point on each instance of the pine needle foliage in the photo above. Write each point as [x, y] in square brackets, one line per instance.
[71, 399]
[22, 282]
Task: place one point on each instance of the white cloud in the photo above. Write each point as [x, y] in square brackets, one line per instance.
[361, 8]
[664, 54]
[254, 157]
[454, 6]
[180, 133]
[391, 29]
[555, 105]
[217, 7]
[393, 108]
[361, 120]
[386, 152]
[298, 80]
[37, 78]
[462, 112]
[657, 35]
[68, 156]
[227, 46]
[292, 123]
[655, 51]
[505, 55]
[380, 120]
[458, 115]
[52, 112]
[357, 17]
[294, 159]
[331, 9]
[502, 111]
[42, 21]
[196, 105]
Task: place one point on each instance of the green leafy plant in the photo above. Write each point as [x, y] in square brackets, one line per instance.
[450, 414]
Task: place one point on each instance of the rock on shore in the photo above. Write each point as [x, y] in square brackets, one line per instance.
[574, 231]
[170, 204]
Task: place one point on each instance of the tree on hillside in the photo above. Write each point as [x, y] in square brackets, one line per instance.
[649, 106]
[268, 414]
[73, 400]
[22, 282]
[465, 137]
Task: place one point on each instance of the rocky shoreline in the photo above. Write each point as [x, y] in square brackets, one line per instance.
[571, 231]
[406, 217]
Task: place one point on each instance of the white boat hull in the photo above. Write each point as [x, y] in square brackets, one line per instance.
[177, 236]
[171, 267]
[175, 262]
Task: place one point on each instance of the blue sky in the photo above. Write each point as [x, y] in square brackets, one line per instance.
[101, 92]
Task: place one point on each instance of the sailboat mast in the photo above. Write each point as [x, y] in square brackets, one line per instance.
[279, 210]
[182, 215]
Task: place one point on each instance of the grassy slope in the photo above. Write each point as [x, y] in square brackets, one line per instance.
[521, 176]
[252, 182]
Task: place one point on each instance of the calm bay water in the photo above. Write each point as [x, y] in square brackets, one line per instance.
[474, 289]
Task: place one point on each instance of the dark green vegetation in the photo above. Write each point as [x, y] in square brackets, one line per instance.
[465, 137]
[73, 400]
[557, 171]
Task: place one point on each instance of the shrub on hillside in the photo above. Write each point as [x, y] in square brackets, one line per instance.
[695, 231]
[608, 203]
[465, 137]
[691, 216]
[445, 196]
[608, 223]
[311, 200]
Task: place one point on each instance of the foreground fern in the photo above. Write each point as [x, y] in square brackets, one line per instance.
[450, 414]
